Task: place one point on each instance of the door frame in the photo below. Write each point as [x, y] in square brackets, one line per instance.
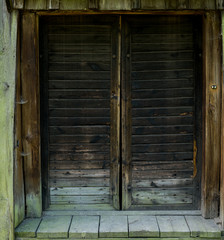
[212, 84]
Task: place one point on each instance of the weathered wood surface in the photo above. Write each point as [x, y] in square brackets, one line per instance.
[30, 115]
[212, 115]
[200, 227]
[8, 50]
[113, 226]
[174, 226]
[54, 227]
[124, 227]
[120, 5]
[143, 226]
[19, 197]
[28, 228]
[222, 135]
[84, 227]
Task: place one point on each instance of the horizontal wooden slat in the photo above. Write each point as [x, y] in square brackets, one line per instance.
[78, 148]
[139, 84]
[82, 75]
[157, 121]
[162, 38]
[80, 207]
[146, 47]
[63, 165]
[79, 103]
[163, 156]
[162, 93]
[145, 166]
[81, 66]
[78, 156]
[88, 84]
[163, 102]
[79, 121]
[79, 112]
[164, 74]
[162, 183]
[162, 196]
[60, 56]
[80, 191]
[80, 199]
[162, 138]
[162, 174]
[75, 28]
[165, 147]
[77, 49]
[80, 182]
[97, 173]
[160, 111]
[79, 139]
[54, 130]
[162, 55]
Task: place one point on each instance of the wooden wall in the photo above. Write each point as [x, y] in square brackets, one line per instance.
[118, 4]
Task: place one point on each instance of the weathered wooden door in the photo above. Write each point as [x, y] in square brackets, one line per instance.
[161, 112]
[120, 112]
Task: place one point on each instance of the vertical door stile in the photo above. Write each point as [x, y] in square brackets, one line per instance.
[115, 116]
[126, 118]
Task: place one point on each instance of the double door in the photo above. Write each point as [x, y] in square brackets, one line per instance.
[121, 112]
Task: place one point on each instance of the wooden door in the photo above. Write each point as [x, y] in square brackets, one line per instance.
[80, 113]
[161, 112]
[158, 59]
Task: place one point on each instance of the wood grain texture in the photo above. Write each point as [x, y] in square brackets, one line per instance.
[143, 226]
[53, 4]
[222, 135]
[18, 4]
[73, 5]
[36, 5]
[28, 228]
[94, 4]
[136, 4]
[114, 5]
[30, 115]
[54, 227]
[219, 4]
[84, 227]
[19, 197]
[212, 115]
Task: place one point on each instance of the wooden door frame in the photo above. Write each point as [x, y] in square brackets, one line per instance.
[212, 83]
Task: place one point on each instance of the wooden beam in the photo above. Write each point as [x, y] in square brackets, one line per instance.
[73, 5]
[94, 4]
[36, 5]
[212, 114]
[222, 134]
[19, 200]
[53, 4]
[136, 4]
[182, 4]
[30, 115]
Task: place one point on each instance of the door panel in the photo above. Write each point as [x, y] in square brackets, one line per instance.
[83, 143]
[159, 120]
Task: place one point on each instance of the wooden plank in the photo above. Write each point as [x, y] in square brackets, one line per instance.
[19, 196]
[126, 119]
[200, 227]
[54, 227]
[28, 228]
[113, 226]
[30, 115]
[81, 207]
[36, 5]
[173, 226]
[73, 5]
[182, 4]
[206, 4]
[84, 227]
[212, 115]
[114, 5]
[222, 135]
[171, 4]
[143, 226]
[161, 196]
[79, 191]
[94, 4]
[18, 4]
[53, 4]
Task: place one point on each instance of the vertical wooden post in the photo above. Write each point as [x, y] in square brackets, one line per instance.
[30, 114]
[212, 114]
[222, 133]
[126, 118]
